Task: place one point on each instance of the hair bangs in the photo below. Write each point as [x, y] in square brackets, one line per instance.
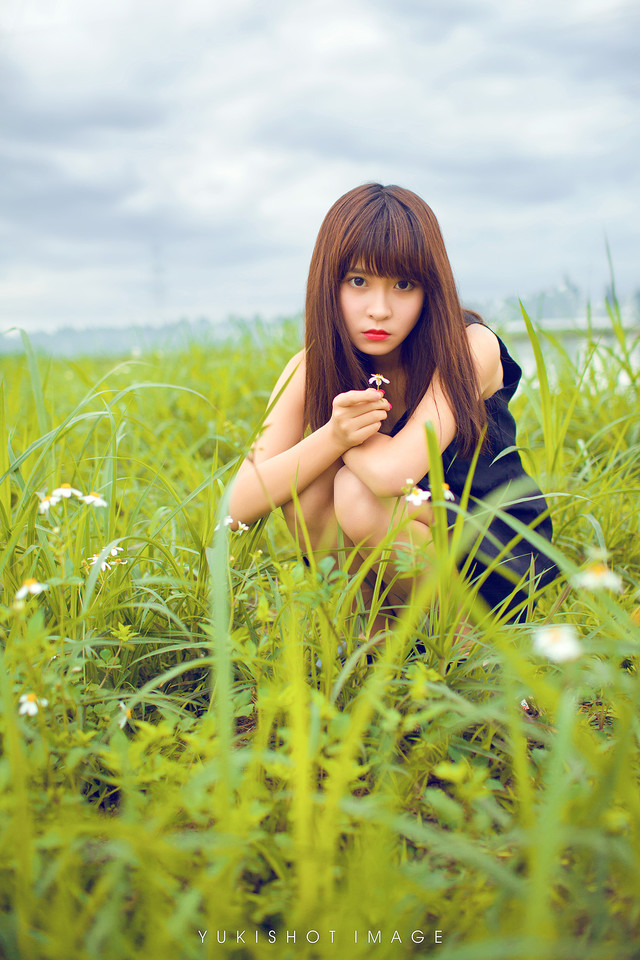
[385, 240]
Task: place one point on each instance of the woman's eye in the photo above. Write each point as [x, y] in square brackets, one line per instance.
[356, 281]
[405, 285]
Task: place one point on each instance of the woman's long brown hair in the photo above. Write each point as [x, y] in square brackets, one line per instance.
[390, 232]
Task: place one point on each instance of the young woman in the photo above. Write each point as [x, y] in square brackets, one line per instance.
[381, 299]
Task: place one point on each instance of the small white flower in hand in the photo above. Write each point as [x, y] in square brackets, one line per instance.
[557, 642]
[378, 379]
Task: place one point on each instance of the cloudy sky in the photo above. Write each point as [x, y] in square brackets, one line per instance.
[174, 158]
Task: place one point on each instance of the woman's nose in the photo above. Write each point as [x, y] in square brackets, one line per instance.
[378, 305]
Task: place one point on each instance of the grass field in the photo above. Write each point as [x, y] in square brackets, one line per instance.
[185, 757]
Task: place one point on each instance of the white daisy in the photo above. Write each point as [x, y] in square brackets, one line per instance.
[94, 499]
[598, 576]
[66, 490]
[225, 523]
[29, 703]
[30, 586]
[447, 492]
[46, 503]
[241, 526]
[557, 642]
[378, 379]
[125, 715]
[416, 496]
[107, 564]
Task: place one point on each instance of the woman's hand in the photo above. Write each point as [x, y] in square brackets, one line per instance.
[357, 415]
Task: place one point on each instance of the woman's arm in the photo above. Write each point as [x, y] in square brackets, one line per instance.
[283, 460]
[385, 463]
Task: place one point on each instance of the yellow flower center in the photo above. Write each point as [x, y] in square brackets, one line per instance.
[31, 697]
[598, 569]
[65, 486]
[30, 582]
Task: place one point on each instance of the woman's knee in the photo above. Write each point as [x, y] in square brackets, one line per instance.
[355, 505]
[313, 511]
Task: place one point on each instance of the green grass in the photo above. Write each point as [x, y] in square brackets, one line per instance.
[251, 789]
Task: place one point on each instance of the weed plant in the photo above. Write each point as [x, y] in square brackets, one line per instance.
[198, 760]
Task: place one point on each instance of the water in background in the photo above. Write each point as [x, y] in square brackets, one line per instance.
[572, 339]
[181, 335]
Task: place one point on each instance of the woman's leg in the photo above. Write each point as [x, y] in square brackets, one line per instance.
[366, 519]
[315, 513]
[338, 500]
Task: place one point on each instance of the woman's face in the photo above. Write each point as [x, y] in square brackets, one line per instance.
[379, 312]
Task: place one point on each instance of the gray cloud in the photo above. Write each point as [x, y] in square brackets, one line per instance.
[165, 159]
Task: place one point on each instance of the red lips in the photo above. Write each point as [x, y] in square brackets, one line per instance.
[376, 334]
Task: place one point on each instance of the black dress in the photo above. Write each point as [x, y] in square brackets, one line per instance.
[516, 495]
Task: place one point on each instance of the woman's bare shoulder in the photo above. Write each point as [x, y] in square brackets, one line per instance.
[479, 333]
[283, 424]
[485, 350]
[298, 361]
[293, 374]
